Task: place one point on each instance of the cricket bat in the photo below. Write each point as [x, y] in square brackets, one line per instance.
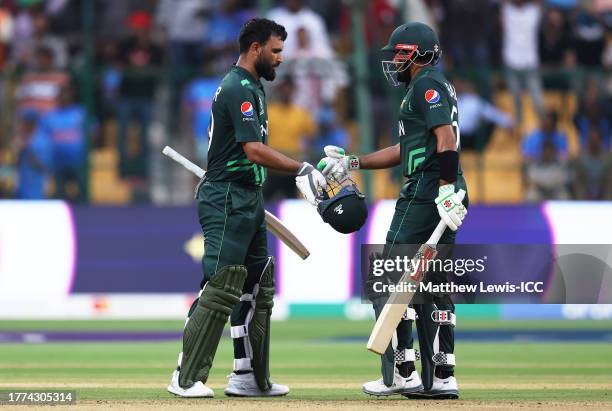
[394, 309]
[274, 225]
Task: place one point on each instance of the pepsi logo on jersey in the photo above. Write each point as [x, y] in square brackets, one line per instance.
[247, 109]
[432, 96]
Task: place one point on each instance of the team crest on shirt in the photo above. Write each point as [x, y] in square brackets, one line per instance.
[247, 109]
[432, 96]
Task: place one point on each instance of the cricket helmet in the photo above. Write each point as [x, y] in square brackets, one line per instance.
[346, 211]
[407, 43]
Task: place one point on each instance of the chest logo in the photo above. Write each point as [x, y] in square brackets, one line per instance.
[432, 96]
[247, 109]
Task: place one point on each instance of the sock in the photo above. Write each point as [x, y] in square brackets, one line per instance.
[444, 372]
[405, 368]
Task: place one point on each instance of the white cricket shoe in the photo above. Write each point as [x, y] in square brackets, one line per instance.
[197, 390]
[244, 385]
[441, 389]
[400, 385]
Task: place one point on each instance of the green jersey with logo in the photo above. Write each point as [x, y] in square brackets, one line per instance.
[239, 115]
[430, 101]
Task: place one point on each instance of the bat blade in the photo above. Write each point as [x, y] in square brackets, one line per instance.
[394, 308]
[276, 227]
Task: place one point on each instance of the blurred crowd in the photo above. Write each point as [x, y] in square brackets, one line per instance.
[64, 96]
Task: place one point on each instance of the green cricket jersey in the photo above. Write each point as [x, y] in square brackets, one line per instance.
[239, 115]
[429, 102]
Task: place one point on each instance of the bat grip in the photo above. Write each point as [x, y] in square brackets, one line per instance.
[170, 152]
[441, 227]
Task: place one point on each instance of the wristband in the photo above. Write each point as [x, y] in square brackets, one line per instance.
[449, 163]
[353, 163]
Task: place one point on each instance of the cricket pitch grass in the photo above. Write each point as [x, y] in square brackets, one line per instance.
[324, 362]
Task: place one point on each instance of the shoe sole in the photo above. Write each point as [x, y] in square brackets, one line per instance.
[238, 394]
[399, 392]
[187, 396]
[443, 395]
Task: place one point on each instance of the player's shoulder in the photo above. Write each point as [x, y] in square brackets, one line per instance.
[432, 83]
[236, 86]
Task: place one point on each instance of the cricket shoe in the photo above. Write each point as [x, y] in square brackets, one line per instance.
[197, 390]
[400, 385]
[441, 389]
[244, 385]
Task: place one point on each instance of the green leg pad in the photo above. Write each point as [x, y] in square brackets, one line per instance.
[205, 326]
[259, 328]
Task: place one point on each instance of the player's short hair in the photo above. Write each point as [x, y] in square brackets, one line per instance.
[259, 30]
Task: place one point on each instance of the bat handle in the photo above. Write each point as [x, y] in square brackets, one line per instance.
[170, 152]
[441, 227]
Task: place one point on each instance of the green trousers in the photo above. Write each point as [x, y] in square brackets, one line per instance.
[232, 220]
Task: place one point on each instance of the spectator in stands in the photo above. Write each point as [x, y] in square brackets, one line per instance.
[141, 59]
[34, 158]
[291, 127]
[607, 64]
[589, 36]
[547, 177]
[39, 87]
[556, 50]
[478, 117]
[592, 169]
[40, 37]
[467, 44]
[318, 78]
[6, 32]
[520, 24]
[64, 127]
[197, 102]
[220, 45]
[289, 130]
[330, 132]
[533, 144]
[183, 22]
[593, 113]
[295, 15]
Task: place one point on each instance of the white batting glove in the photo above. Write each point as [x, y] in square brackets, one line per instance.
[310, 182]
[451, 209]
[333, 169]
[349, 163]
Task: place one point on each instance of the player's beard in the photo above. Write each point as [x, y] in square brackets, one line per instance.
[404, 76]
[264, 68]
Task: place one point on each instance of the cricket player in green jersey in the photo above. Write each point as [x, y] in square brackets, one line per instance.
[238, 272]
[428, 153]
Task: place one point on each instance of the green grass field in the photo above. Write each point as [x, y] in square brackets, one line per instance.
[321, 370]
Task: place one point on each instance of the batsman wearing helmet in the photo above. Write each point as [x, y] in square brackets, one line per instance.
[428, 153]
[238, 273]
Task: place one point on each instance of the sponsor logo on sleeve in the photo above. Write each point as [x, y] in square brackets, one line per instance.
[247, 109]
[432, 96]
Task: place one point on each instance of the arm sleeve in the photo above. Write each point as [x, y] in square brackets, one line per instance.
[430, 100]
[244, 113]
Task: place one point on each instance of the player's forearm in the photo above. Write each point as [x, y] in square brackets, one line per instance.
[385, 158]
[265, 156]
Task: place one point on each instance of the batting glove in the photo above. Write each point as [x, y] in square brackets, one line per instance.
[349, 163]
[450, 207]
[310, 182]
